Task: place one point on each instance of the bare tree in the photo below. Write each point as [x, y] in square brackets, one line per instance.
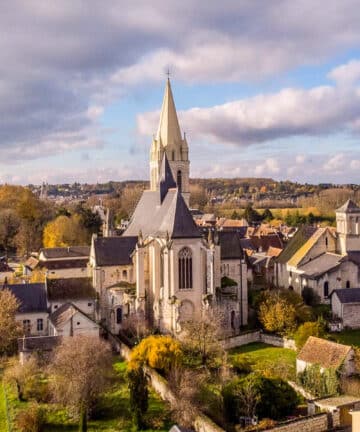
[202, 336]
[80, 371]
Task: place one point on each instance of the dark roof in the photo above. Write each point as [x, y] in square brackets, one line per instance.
[32, 297]
[70, 289]
[354, 256]
[348, 295]
[301, 237]
[66, 252]
[38, 343]
[62, 315]
[230, 247]
[111, 251]
[324, 263]
[348, 207]
[166, 178]
[64, 264]
[170, 217]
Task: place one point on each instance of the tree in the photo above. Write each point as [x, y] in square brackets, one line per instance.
[202, 336]
[89, 220]
[139, 395]
[250, 214]
[306, 330]
[9, 226]
[267, 215]
[65, 231]
[277, 315]
[9, 327]
[23, 376]
[79, 370]
[158, 352]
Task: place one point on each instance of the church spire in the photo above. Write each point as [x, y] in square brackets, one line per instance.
[169, 130]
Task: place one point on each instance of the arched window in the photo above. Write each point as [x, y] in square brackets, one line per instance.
[347, 284]
[326, 289]
[326, 242]
[185, 269]
[124, 274]
[179, 180]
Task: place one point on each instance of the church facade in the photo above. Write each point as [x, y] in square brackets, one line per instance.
[167, 272]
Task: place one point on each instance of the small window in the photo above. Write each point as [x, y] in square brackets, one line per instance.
[173, 155]
[326, 242]
[347, 284]
[232, 319]
[124, 274]
[119, 315]
[89, 304]
[55, 306]
[326, 289]
[40, 324]
[78, 323]
[27, 326]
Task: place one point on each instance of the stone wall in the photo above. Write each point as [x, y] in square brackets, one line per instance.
[317, 423]
[258, 336]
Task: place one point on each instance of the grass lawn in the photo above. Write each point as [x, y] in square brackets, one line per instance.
[112, 413]
[269, 360]
[347, 337]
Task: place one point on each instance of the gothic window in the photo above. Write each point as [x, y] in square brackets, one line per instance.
[326, 242]
[162, 269]
[185, 269]
[179, 180]
[326, 289]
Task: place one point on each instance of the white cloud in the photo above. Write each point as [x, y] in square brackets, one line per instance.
[335, 163]
[268, 167]
[346, 74]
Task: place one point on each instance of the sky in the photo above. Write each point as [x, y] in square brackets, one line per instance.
[262, 88]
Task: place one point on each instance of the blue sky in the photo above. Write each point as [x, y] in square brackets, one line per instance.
[266, 89]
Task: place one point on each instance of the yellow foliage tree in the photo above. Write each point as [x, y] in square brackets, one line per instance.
[158, 352]
[65, 231]
[277, 315]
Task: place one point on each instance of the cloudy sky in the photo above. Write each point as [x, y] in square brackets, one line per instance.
[263, 88]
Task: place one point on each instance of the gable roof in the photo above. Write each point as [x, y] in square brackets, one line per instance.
[348, 207]
[31, 296]
[112, 251]
[348, 295]
[156, 218]
[301, 237]
[323, 353]
[66, 252]
[64, 313]
[230, 245]
[70, 289]
[324, 263]
[301, 253]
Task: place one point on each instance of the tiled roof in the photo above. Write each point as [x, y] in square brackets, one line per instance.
[70, 289]
[32, 297]
[324, 263]
[274, 251]
[300, 238]
[66, 252]
[348, 295]
[323, 353]
[348, 207]
[63, 314]
[113, 251]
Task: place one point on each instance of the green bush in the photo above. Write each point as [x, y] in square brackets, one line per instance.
[306, 330]
[319, 383]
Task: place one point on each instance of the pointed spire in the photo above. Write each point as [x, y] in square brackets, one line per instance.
[166, 181]
[169, 130]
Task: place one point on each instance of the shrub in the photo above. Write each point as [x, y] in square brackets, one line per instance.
[277, 315]
[318, 383]
[306, 330]
[30, 420]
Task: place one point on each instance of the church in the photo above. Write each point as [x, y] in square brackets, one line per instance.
[162, 268]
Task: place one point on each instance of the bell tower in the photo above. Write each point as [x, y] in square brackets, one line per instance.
[170, 141]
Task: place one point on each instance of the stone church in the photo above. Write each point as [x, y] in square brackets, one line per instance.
[162, 267]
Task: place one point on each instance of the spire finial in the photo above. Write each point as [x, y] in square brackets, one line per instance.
[168, 73]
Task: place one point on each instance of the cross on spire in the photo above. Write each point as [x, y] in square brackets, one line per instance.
[168, 73]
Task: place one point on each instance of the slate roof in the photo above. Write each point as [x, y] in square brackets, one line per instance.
[38, 343]
[348, 207]
[300, 238]
[166, 178]
[348, 295]
[321, 264]
[112, 251]
[64, 313]
[323, 353]
[70, 289]
[64, 264]
[32, 297]
[154, 218]
[354, 256]
[230, 247]
[66, 252]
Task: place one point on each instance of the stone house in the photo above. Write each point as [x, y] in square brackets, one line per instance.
[33, 309]
[327, 355]
[345, 305]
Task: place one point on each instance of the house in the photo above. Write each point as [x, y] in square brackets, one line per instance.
[345, 305]
[33, 307]
[69, 320]
[78, 291]
[343, 404]
[62, 262]
[327, 355]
